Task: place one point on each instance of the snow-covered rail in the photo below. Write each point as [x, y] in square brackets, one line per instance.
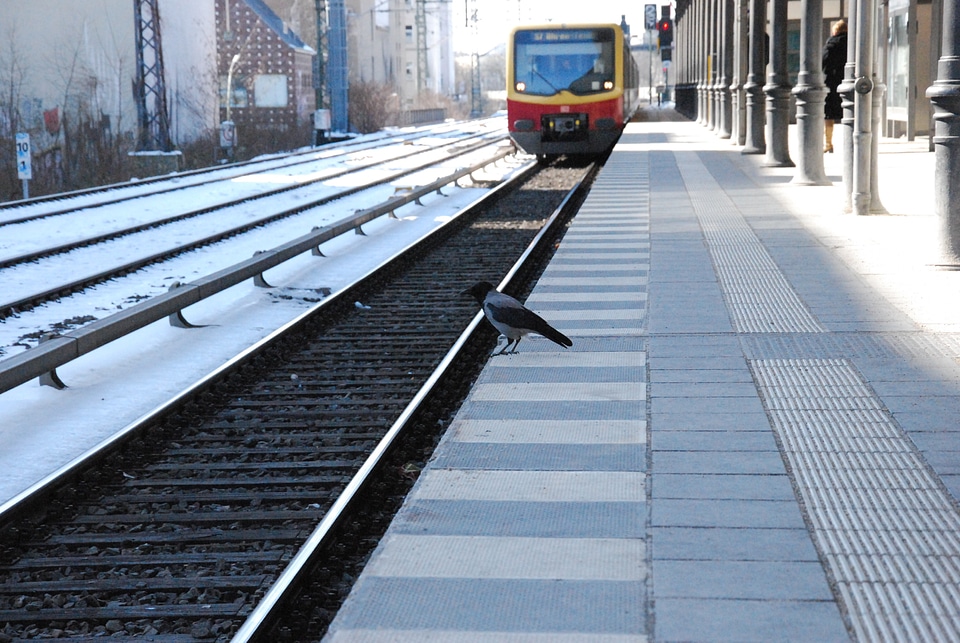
[42, 360]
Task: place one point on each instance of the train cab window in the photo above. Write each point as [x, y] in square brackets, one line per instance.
[547, 61]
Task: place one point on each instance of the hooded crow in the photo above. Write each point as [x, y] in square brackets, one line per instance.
[512, 318]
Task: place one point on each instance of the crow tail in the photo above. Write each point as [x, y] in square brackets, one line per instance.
[555, 335]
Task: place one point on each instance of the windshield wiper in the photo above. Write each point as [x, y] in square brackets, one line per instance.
[545, 79]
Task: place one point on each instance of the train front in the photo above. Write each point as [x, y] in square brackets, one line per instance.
[565, 88]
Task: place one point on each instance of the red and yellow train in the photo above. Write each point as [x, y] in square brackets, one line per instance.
[570, 88]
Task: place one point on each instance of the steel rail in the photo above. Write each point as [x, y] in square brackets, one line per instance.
[257, 625]
[42, 360]
[346, 146]
[34, 496]
[114, 234]
[10, 307]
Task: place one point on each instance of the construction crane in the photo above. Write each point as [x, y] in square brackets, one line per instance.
[151, 94]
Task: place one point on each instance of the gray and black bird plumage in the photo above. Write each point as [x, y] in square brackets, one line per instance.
[511, 318]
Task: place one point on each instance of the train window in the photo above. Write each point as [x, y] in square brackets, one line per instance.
[548, 61]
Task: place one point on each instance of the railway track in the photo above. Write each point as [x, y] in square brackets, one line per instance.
[178, 532]
[71, 202]
[133, 239]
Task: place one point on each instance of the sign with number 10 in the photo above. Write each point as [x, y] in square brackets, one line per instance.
[24, 167]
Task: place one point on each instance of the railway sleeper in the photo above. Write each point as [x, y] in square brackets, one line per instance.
[131, 583]
[174, 560]
[209, 515]
[179, 530]
[123, 612]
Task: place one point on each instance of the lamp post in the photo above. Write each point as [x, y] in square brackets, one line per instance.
[476, 94]
[233, 65]
[228, 132]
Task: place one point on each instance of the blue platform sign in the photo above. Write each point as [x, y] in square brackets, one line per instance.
[650, 17]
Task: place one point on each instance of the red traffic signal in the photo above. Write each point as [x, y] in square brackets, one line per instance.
[665, 28]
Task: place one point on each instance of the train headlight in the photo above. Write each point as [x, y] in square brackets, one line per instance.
[608, 84]
[521, 86]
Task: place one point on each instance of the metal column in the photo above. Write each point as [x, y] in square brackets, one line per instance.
[945, 96]
[726, 69]
[700, 58]
[811, 93]
[741, 50]
[755, 143]
[777, 90]
[862, 107]
[846, 123]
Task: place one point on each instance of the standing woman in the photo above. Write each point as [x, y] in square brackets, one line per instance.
[834, 60]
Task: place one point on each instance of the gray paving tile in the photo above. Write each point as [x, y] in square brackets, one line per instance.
[725, 543]
[946, 406]
[550, 431]
[664, 374]
[548, 389]
[916, 387]
[763, 514]
[748, 621]
[722, 486]
[952, 483]
[703, 389]
[700, 462]
[555, 457]
[751, 580]
[692, 440]
[704, 405]
[676, 318]
[557, 374]
[491, 605]
[944, 462]
[509, 557]
[697, 364]
[926, 420]
[680, 419]
[527, 519]
[696, 346]
[555, 410]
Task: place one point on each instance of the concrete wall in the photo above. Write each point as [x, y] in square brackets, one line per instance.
[81, 55]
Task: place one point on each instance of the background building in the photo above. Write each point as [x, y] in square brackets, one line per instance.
[406, 44]
[265, 76]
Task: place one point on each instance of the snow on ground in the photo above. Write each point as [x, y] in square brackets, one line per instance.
[43, 429]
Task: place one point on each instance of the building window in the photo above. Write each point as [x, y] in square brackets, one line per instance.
[408, 30]
[270, 90]
[239, 91]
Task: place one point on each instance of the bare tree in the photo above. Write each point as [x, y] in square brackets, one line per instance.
[372, 105]
[13, 71]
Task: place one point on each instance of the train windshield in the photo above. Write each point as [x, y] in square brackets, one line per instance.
[547, 61]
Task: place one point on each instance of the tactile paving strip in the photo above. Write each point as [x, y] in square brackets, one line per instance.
[887, 529]
[758, 295]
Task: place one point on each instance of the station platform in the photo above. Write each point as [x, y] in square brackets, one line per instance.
[753, 438]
